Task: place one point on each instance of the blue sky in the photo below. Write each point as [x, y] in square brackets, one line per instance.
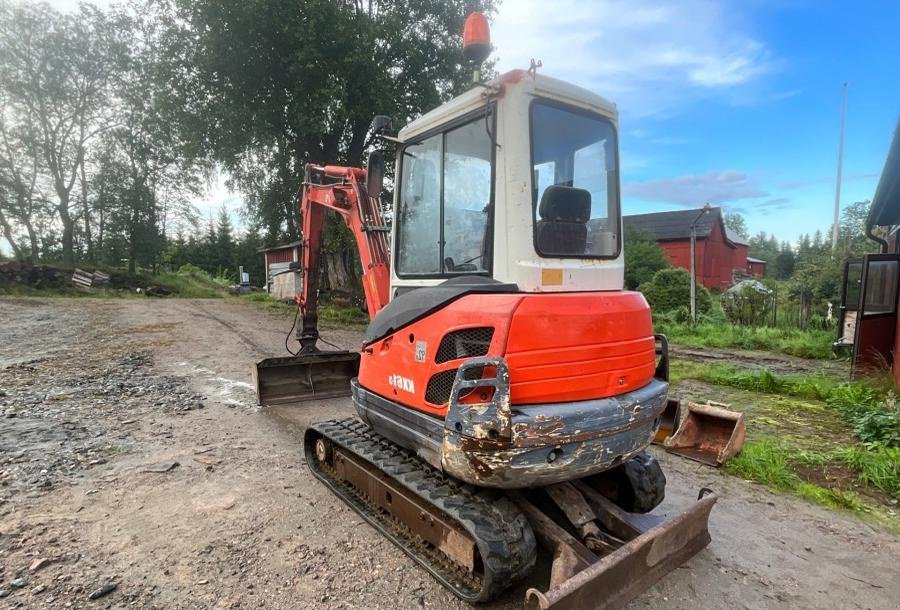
[737, 103]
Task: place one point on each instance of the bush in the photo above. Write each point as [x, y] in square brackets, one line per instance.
[747, 303]
[643, 258]
[875, 419]
[670, 289]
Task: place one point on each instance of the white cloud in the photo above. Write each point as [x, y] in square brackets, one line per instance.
[695, 190]
[648, 57]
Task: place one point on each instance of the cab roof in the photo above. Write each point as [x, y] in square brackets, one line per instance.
[538, 85]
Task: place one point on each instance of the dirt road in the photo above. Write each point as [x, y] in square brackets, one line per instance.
[131, 453]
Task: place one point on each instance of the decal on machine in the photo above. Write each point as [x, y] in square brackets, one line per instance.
[421, 349]
[402, 383]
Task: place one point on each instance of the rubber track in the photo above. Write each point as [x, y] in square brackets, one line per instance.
[503, 536]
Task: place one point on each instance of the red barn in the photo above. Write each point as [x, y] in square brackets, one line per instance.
[721, 253]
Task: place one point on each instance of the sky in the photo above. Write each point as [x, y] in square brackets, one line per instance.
[736, 102]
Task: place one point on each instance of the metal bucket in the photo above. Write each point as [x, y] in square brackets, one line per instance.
[709, 433]
[294, 379]
[668, 421]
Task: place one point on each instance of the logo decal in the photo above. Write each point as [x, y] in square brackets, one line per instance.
[421, 348]
[402, 383]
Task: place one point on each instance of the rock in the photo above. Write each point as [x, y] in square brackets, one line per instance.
[19, 583]
[104, 589]
[38, 564]
[4, 593]
[39, 589]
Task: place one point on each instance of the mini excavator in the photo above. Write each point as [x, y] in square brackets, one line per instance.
[507, 387]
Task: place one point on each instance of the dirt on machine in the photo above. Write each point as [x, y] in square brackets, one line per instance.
[507, 387]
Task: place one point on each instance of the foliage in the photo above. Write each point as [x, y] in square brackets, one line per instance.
[670, 289]
[875, 418]
[791, 341]
[290, 94]
[737, 223]
[766, 462]
[762, 380]
[643, 258]
[747, 303]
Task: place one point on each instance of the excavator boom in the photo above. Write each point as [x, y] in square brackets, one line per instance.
[313, 373]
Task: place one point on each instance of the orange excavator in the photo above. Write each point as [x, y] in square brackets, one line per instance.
[507, 386]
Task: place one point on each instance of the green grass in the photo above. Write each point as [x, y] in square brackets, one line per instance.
[187, 282]
[765, 462]
[328, 314]
[816, 387]
[790, 341]
[191, 282]
[772, 464]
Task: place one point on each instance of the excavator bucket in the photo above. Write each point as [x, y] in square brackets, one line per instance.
[294, 379]
[668, 421]
[646, 548]
[709, 433]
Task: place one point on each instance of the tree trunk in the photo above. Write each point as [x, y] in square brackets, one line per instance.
[32, 240]
[88, 238]
[68, 234]
[7, 233]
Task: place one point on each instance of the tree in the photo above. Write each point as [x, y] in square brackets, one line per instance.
[266, 91]
[57, 68]
[224, 244]
[736, 222]
[643, 258]
[784, 262]
[764, 247]
[670, 290]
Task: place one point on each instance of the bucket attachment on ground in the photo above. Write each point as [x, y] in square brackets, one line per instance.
[639, 551]
[709, 433]
[294, 379]
[668, 421]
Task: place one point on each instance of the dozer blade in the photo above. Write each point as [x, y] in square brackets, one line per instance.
[294, 379]
[708, 434]
[650, 552]
[668, 421]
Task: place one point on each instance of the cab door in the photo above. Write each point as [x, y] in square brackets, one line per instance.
[846, 328]
[876, 322]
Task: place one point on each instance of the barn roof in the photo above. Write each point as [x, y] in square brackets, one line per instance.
[293, 244]
[675, 225]
[885, 210]
[750, 259]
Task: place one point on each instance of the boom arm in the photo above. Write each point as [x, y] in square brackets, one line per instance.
[342, 190]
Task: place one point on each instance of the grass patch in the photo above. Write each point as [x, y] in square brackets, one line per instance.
[765, 462]
[192, 283]
[790, 341]
[815, 387]
[773, 464]
[328, 314]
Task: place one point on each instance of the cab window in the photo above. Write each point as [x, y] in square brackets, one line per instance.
[444, 208]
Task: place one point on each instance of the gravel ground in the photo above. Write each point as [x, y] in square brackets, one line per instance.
[135, 467]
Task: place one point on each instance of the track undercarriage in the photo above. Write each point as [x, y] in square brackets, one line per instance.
[478, 541]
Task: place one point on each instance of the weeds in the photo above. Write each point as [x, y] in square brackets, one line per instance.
[809, 386]
[328, 314]
[791, 341]
[771, 463]
[765, 462]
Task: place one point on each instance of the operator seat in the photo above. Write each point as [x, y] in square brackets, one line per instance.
[564, 213]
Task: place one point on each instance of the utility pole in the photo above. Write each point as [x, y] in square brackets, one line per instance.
[840, 165]
[705, 210]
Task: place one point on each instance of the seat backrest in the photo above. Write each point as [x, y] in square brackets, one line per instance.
[564, 212]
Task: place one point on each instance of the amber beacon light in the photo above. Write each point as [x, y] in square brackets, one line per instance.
[476, 38]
